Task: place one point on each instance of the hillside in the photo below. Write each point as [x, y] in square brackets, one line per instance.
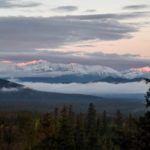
[25, 99]
[8, 84]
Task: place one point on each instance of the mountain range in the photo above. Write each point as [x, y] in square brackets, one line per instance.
[44, 71]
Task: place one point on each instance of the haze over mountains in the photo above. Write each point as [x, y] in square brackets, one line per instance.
[16, 97]
[44, 71]
[48, 85]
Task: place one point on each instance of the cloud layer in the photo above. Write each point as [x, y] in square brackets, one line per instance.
[26, 33]
[13, 4]
[118, 62]
[65, 9]
[136, 7]
[90, 88]
[22, 38]
[9, 90]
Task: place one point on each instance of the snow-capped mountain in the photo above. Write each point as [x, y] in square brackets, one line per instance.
[44, 66]
[143, 72]
[51, 69]
[6, 66]
[56, 73]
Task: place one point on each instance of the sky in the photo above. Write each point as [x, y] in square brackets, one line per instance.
[114, 33]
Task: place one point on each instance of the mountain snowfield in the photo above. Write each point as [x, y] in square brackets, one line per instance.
[143, 72]
[41, 68]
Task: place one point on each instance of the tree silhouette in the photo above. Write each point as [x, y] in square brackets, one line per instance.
[91, 128]
[65, 129]
[147, 96]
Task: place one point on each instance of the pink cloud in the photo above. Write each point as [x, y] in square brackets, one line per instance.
[23, 64]
[143, 69]
[6, 61]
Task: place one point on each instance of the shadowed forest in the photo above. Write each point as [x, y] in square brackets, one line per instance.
[64, 129]
[74, 75]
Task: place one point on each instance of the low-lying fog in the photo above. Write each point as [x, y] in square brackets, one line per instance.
[90, 88]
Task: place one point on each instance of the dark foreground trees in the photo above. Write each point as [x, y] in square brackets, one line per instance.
[147, 96]
[64, 129]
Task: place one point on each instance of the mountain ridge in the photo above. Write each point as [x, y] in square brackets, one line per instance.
[9, 84]
[69, 73]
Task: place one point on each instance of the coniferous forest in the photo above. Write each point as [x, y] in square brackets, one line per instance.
[74, 75]
[64, 129]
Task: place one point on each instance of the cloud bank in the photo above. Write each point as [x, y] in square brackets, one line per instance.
[115, 61]
[65, 9]
[26, 33]
[9, 90]
[136, 7]
[12, 4]
[90, 88]
[90, 10]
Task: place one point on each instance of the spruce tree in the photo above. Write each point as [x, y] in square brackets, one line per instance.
[91, 128]
[8, 137]
[143, 140]
[147, 96]
[104, 126]
[119, 119]
[80, 133]
[66, 132]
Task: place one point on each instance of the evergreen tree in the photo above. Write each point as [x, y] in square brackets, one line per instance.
[80, 133]
[47, 135]
[66, 133]
[104, 127]
[92, 136]
[67, 130]
[143, 140]
[119, 119]
[8, 137]
[147, 96]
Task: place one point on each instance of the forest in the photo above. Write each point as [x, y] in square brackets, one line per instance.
[65, 129]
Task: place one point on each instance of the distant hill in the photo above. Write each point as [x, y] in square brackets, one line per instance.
[78, 79]
[25, 99]
[8, 84]
[31, 100]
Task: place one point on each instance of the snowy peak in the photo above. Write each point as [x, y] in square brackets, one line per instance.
[42, 68]
[138, 72]
[7, 66]
[143, 69]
